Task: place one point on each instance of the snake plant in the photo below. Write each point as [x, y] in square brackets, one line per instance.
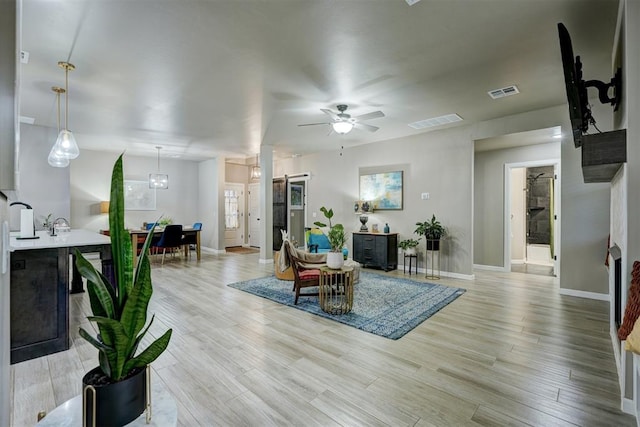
[120, 309]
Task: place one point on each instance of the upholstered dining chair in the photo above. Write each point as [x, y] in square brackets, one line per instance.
[171, 239]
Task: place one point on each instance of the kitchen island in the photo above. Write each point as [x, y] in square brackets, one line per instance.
[40, 288]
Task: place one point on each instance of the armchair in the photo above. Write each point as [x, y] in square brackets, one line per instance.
[305, 267]
[317, 241]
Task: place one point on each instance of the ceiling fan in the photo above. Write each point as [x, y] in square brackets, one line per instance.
[343, 123]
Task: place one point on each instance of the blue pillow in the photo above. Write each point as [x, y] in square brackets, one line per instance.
[319, 239]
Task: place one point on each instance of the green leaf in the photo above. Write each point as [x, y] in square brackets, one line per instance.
[99, 290]
[152, 352]
[134, 314]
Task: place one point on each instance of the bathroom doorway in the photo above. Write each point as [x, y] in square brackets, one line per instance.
[532, 218]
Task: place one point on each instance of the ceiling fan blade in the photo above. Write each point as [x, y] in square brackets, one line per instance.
[313, 124]
[331, 114]
[363, 126]
[368, 116]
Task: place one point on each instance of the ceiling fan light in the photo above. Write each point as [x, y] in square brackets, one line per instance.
[66, 145]
[342, 127]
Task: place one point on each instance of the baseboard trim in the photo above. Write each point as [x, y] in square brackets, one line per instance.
[628, 407]
[489, 268]
[212, 251]
[517, 261]
[584, 294]
[265, 261]
[444, 274]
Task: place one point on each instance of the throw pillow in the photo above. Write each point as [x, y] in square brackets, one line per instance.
[633, 339]
[631, 312]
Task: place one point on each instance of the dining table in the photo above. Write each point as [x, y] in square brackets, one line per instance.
[141, 234]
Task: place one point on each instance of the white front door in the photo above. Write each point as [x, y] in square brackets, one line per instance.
[233, 215]
[254, 215]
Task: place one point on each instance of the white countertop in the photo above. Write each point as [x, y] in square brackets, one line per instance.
[62, 239]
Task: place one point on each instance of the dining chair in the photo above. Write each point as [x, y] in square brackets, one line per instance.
[171, 239]
[190, 238]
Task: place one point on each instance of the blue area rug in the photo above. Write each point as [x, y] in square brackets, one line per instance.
[383, 305]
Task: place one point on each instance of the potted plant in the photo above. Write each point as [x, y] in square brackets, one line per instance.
[433, 231]
[337, 239]
[409, 246]
[116, 391]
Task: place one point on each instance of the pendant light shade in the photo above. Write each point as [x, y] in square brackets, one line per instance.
[56, 159]
[159, 181]
[256, 173]
[66, 145]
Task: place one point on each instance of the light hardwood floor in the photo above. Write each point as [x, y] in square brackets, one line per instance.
[510, 351]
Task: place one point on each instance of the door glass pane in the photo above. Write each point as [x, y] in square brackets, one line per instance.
[231, 213]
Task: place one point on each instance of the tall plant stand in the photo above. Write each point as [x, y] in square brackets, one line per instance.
[432, 260]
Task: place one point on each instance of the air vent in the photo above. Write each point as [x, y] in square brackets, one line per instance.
[27, 120]
[411, 2]
[505, 91]
[436, 121]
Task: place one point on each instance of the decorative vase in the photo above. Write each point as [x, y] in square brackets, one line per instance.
[113, 404]
[345, 253]
[386, 227]
[433, 244]
[335, 261]
[410, 251]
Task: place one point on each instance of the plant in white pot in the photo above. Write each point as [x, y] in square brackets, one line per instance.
[337, 239]
[115, 392]
[409, 246]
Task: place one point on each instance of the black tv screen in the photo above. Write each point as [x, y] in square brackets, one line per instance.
[579, 111]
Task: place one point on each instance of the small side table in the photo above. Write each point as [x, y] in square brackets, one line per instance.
[411, 257]
[336, 290]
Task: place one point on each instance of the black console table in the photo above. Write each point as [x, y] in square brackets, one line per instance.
[379, 250]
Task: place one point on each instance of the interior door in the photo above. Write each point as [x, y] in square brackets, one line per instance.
[233, 215]
[279, 211]
[254, 215]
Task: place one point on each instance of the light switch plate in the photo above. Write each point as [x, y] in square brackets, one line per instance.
[424, 196]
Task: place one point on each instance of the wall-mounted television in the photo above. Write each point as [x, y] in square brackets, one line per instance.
[577, 96]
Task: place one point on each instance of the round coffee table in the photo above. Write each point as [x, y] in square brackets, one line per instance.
[335, 291]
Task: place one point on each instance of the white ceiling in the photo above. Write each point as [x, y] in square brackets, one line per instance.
[224, 77]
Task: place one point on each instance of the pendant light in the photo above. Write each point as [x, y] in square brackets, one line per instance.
[256, 173]
[66, 142]
[56, 159]
[159, 181]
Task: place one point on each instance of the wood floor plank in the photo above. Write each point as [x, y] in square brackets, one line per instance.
[510, 351]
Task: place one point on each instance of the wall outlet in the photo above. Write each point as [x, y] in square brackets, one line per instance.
[313, 214]
[424, 196]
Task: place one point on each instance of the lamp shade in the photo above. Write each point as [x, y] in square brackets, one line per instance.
[66, 144]
[56, 159]
[342, 127]
[104, 207]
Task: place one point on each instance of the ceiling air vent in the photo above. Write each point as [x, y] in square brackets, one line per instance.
[436, 121]
[505, 91]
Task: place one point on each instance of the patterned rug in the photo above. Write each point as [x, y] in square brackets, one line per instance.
[383, 305]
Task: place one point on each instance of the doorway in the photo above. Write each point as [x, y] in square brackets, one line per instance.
[233, 215]
[532, 218]
[297, 207]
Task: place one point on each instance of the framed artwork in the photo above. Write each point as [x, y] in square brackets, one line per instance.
[297, 195]
[138, 196]
[383, 189]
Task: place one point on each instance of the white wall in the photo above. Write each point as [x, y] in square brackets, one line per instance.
[91, 182]
[44, 187]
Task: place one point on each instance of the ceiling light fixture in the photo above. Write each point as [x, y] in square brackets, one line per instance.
[159, 181]
[256, 172]
[66, 142]
[56, 159]
[342, 127]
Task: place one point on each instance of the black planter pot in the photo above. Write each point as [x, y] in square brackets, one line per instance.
[116, 404]
[433, 245]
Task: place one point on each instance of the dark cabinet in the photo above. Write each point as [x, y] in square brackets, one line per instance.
[378, 250]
